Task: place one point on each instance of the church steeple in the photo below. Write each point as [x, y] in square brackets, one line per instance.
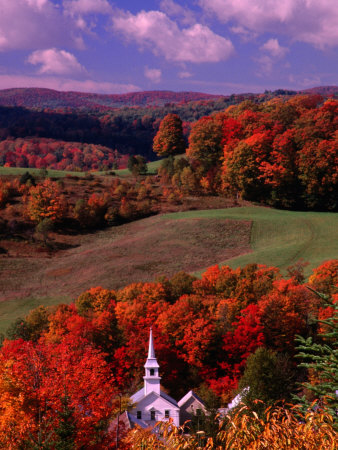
[151, 378]
[151, 350]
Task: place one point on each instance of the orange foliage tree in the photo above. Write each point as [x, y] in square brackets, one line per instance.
[47, 388]
[45, 201]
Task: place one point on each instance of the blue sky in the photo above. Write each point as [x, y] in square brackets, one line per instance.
[214, 46]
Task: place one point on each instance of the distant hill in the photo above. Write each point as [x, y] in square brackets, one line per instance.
[48, 98]
[322, 90]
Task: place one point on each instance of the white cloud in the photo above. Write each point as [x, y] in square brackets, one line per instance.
[25, 24]
[65, 84]
[272, 46]
[273, 52]
[185, 74]
[153, 29]
[311, 21]
[55, 61]
[173, 9]
[82, 7]
[153, 75]
[266, 64]
[245, 34]
[39, 4]
[304, 81]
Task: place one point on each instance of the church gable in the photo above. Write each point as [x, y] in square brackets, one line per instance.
[153, 407]
[190, 405]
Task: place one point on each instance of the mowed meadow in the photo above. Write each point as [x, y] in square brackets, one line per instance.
[163, 245]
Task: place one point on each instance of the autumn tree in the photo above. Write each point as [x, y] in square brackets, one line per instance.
[318, 173]
[91, 212]
[242, 166]
[44, 387]
[45, 201]
[206, 141]
[137, 165]
[169, 139]
[325, 277]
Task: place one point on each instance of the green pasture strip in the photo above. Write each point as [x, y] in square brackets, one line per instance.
[9, 309]
[119, 172]
[279, 238]
[152, 170]
[50, 172]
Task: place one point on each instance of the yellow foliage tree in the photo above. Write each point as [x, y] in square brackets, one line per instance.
[45, 201]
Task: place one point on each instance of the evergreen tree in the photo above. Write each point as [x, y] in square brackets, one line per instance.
[269, 376]
[65, 432]
[321, 360]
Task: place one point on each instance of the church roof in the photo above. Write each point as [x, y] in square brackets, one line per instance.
[139, 395]
[188, 396]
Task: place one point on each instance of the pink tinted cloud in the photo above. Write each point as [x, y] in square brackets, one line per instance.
[173, 9]
[82, 7]
[154, 30]
[25, 24]
[273, 47]
[153, 75]
[54, 61]
[65, 84]
[311, 21]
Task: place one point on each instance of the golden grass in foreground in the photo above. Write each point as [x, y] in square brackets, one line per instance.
[281, 428]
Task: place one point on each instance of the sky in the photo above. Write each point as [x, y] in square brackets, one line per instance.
[213, 46]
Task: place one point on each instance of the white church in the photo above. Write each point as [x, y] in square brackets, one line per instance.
[151, 404]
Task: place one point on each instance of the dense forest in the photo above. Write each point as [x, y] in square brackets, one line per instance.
[55, 154]
[281, 153]
[63, 368]
[128, 129]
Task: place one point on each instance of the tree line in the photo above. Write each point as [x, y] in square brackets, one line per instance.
[281, 153]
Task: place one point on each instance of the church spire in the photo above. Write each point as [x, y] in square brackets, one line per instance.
[151, 350]
[151, 378]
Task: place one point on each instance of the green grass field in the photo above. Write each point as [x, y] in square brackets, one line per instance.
[152, 170]
[280, 238]
[51, 173]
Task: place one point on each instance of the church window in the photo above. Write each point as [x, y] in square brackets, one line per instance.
[167, 413]
[152, 415]
[139, 414]
[152, 372]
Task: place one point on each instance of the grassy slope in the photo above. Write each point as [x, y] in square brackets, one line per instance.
[152, 169]
[280, 238]
[51, 172]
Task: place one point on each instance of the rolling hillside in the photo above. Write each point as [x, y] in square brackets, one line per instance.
[164, 245]
[43, 98]
[48, 98]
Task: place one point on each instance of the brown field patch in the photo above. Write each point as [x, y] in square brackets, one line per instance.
[112, 258]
